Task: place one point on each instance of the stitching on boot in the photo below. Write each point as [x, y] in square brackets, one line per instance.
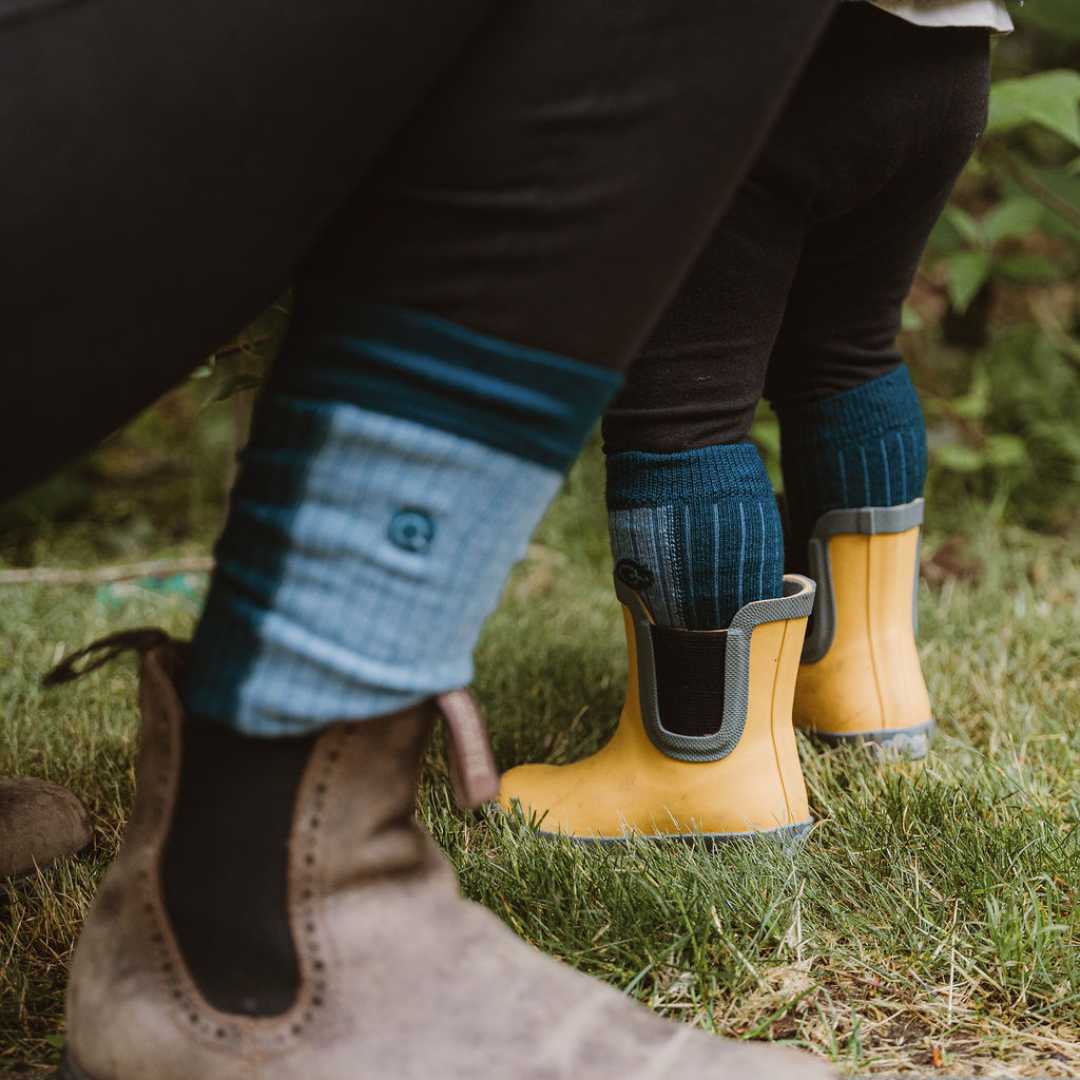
[306, 892]
[240, 1034]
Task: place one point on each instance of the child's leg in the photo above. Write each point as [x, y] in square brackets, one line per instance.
[684, 490]
[705, 742]
[852, 433]
[694, 524]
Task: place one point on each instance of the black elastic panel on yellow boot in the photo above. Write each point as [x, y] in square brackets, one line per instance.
[689, 679]
[225, 867]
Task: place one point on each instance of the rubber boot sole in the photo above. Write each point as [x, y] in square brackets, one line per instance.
[908, 744]
[784, 834]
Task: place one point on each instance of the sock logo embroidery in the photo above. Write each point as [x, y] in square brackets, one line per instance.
[412, 530]
[635, 575]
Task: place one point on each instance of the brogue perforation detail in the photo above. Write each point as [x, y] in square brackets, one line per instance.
[310, 815]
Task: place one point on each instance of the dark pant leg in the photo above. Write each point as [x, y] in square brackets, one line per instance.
[918, 127]
[552, 190]
[698, 381]
[558, 185]
[808, 270]
[164, 166]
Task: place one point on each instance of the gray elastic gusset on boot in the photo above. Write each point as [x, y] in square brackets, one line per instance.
[796, 603]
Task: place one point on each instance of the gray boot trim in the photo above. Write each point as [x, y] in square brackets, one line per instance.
[865, 521]
[782, 834]
[796, 603]
[911, 743]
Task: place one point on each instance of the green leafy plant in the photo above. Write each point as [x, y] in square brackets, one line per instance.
[999, 361]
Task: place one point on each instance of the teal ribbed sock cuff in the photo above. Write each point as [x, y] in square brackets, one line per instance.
[696, 533]
[862, 447]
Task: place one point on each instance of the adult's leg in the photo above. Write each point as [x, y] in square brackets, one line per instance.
[164, 170]
[499, 235]
[479, 292]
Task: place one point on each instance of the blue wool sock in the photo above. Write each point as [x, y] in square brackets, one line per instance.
[697, 533]
[861, 447]
[393, 477]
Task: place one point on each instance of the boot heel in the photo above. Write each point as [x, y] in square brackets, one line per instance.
[69, 1070]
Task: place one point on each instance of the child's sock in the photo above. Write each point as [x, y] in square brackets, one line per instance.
[394, 475]
[697, 533]
[861, 447]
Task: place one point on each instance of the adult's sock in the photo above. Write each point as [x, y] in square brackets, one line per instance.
[697, 533]
[862, 447]
[397, 466]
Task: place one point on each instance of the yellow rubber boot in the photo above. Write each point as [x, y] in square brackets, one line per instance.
[705, 744]
[860, 679]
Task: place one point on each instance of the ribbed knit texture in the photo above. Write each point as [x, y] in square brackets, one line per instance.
[697, 533]
[863, 447]
[361, 557]
[365, 546]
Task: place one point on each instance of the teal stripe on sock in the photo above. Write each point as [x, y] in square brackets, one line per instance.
[527, 402]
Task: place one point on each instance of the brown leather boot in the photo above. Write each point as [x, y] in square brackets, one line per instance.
[322, 936]
[39, 823]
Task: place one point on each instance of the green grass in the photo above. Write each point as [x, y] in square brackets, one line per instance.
[930, 923]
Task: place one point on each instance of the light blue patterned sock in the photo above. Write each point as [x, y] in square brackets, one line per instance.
[391, 481]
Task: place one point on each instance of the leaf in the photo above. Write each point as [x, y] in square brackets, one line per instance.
[965, 273]
[953, 231]
[959, 458]
[910, 319]
[1013, 217]
[1050, 99]
[975, 404]
[1066, 186]
[1029, 268]
[1005, 451]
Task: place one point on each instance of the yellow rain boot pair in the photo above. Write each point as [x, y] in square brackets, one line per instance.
[706, 742]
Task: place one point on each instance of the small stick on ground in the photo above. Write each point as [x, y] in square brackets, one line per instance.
[98, 575]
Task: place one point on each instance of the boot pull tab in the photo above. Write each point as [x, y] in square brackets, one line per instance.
[472, 765]
[100, 652]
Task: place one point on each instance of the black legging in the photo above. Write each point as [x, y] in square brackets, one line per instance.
[544, 172]
[799, 292]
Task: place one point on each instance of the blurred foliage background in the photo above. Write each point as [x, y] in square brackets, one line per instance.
[994, 323]
[992, 327]
[991, 331]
